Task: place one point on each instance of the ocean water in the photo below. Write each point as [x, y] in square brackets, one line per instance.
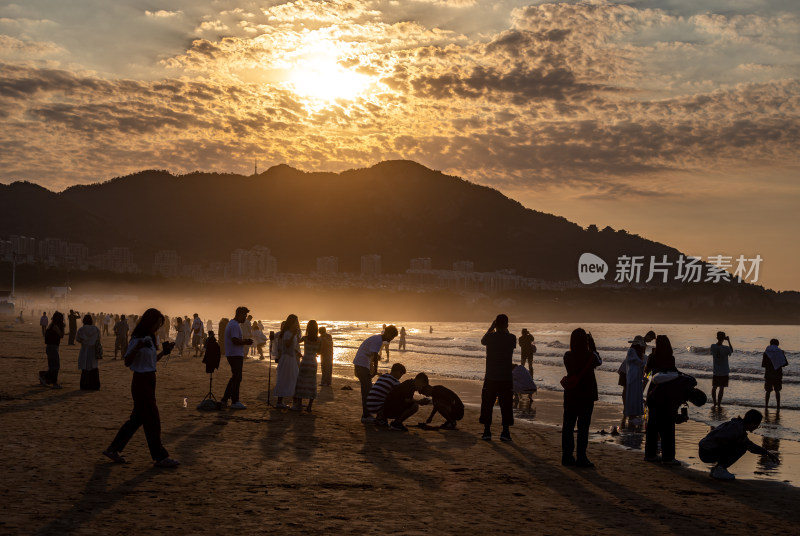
[454, 349]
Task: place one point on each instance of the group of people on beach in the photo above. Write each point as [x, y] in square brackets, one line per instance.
[390, 402]
[664, 393]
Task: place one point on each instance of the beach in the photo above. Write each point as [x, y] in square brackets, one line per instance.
[261, 469]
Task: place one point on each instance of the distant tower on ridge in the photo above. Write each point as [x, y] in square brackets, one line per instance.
[255, 164]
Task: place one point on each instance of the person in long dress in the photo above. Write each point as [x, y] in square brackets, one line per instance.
[634, 372]
[288, 360]
[87, 337]
[306, 386]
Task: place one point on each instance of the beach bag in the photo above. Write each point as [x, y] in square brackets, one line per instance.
[98, 349]
[664, 377]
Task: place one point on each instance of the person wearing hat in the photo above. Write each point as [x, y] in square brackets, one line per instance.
[634, 394]
[234, 352]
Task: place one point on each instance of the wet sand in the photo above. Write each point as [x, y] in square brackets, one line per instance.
[261, 470]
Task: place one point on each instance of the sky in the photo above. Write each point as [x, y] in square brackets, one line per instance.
[677, 120]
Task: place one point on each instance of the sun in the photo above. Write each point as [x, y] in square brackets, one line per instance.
[322, 78]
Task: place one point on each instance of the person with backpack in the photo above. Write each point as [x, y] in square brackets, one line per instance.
[667, 392]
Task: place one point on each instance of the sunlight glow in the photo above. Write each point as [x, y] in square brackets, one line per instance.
[322, 78]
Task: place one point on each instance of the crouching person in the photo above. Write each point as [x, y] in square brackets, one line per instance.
[400, 403]
[523, 384]
[447, 403]
[728, 442]
[381, 389]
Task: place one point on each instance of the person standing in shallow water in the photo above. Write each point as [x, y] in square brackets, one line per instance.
[719, 355]
[526, 349]
[773, 361]
[326, 356]
[498, 382]
[580, 394]
[141, 357]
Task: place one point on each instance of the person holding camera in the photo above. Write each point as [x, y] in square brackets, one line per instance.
[141, 357]
[580, 394]
[234, 351]
[498, 382]
[720, 354]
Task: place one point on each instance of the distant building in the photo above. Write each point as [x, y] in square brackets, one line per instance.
[167, 263]
[77, 257]
[370, 265]
[327, 265]
[463, 266]
[52, 251]
[116, 259]
[24, 247]
[421, 263]
[255, 263]
[192, 271]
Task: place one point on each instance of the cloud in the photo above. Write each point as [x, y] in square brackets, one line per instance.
[13, 48]
[163, 14]
[597, 97]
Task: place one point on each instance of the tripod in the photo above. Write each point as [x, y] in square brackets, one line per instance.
[269, 372]
[210, 395]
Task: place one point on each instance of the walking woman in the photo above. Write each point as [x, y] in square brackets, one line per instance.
[287, 358]
[307, 379]
[141, 358]
[88, 335]
[52, 339]
[580, 393]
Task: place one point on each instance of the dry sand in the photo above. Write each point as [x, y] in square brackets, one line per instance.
[264, 470]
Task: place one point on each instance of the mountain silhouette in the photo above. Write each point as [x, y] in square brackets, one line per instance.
[398, 209]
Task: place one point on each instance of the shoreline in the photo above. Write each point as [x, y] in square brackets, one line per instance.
[547, 410]
[263, 469]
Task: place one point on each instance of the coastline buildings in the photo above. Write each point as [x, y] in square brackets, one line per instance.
[327, 265]
[370, 265]
[258, 264]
